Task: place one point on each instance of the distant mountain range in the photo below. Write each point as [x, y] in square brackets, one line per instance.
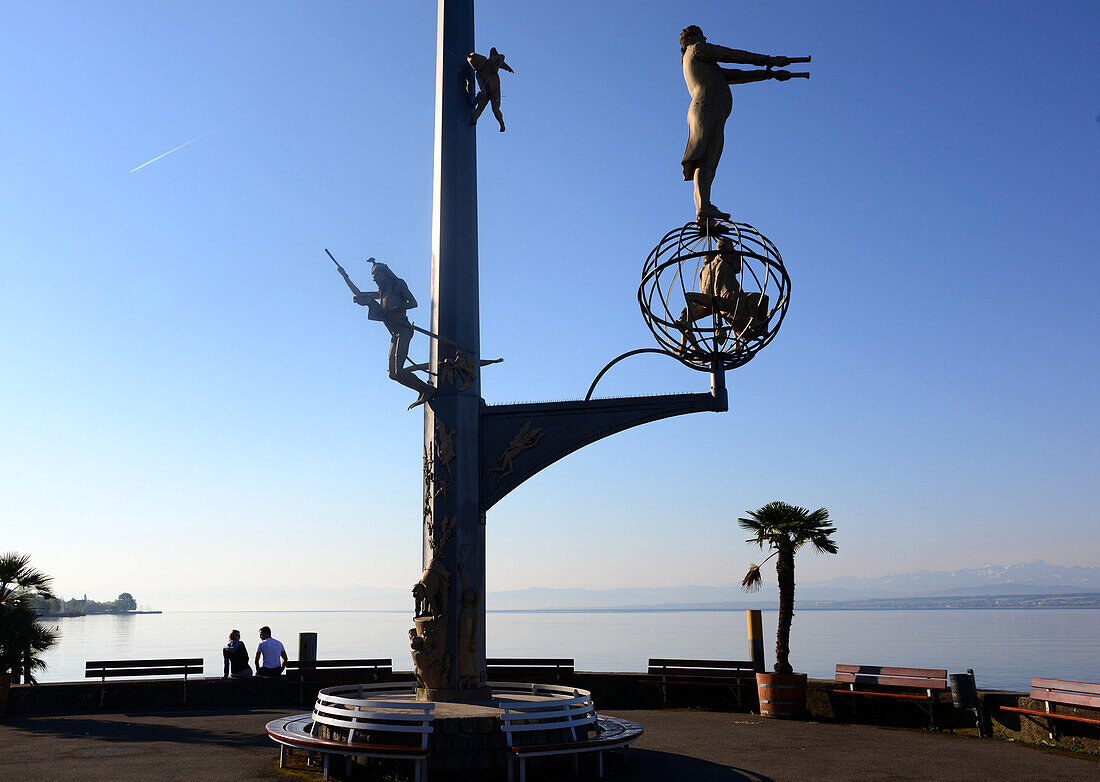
[994, 586]
[1022, 580]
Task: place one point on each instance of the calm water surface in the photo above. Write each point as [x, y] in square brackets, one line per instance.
[1005, 647]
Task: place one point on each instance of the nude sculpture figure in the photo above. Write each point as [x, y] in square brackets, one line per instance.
[711, 103]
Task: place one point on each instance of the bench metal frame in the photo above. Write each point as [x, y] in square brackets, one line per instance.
[529, 668]
[102, 669]
[306, 671]
[931, 680]
[734, 674]
[1058, 691]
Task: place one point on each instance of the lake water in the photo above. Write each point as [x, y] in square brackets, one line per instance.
[1005, 647]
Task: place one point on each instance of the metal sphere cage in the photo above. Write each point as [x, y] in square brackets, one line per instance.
[704, 330]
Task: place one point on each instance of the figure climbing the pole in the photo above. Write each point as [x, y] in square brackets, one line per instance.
[487, 71]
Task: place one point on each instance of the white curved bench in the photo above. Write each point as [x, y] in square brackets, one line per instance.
[358, 709]
[566, 711]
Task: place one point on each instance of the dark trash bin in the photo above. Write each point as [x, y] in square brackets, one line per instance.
[964, 695]
[964, 692]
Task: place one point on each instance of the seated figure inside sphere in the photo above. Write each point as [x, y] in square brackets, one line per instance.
[720, 295]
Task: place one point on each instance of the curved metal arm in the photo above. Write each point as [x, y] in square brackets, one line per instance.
[615, 361]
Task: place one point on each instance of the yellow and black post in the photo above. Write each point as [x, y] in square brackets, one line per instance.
[756, 640]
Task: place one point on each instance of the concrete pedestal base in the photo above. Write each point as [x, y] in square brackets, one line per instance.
[481, 696]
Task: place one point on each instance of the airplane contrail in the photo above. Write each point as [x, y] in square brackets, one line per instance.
[253, 110]
[192, 141]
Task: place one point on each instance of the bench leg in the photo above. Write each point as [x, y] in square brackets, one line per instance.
[576, 764]
[511, 764]
[599, 764]
[325, 775]
[523, 770]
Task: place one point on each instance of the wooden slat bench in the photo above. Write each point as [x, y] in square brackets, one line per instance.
[1082, 695]
[359, 709]
[733, 674]
[337, 671]
[528, 669]
[572, 720]
[892, 682]
[104, 669]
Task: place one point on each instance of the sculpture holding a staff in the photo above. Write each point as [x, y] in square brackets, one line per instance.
[711, 103]
[389, 304]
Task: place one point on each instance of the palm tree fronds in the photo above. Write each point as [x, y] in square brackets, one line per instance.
[18, 580]
[22, 638]
[752, 580]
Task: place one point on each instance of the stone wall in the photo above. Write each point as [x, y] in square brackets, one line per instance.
[610, 691]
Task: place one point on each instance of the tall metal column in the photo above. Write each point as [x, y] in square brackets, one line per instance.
[474, 454]
[454, 532]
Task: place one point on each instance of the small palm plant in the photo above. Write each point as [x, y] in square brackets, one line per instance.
[22, 638]
[785, 529]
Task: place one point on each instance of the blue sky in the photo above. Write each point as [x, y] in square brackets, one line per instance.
[192, 408]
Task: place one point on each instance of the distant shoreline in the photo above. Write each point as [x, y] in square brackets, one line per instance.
[75, 614]
[1085, 600]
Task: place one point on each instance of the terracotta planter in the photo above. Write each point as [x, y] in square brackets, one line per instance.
[5, 685]
[782, 695]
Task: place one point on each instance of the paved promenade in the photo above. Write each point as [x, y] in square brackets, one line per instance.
[197, 746]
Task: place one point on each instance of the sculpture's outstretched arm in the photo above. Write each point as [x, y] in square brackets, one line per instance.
[504, 65]
[714, 53]
[734, 76]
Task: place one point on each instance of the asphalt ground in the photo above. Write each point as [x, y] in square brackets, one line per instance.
[700, 746]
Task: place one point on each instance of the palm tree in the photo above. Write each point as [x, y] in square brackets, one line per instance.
[22, 638]
[785, 529]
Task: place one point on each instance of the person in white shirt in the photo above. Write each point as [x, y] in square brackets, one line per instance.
[272, 654]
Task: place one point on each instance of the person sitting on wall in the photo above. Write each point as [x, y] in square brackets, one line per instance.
[272, 653]
[235, 657]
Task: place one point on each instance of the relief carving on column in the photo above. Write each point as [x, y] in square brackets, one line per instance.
[438, 476]
[525, 439]
[439, 535]
[468, 634]
[430, 592]
[437, 461]
[431, 663]
[459, 370]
